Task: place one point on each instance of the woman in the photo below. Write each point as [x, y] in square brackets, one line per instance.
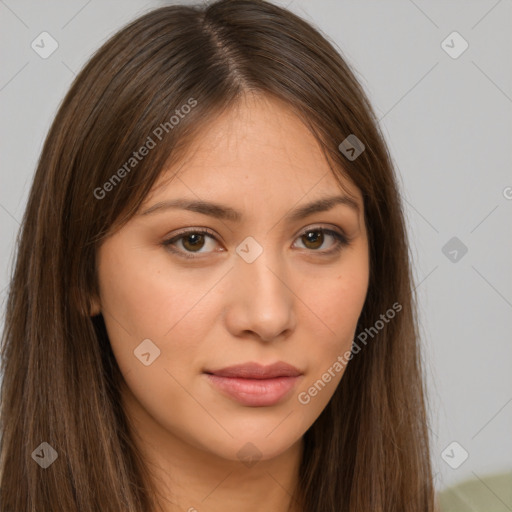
[212, 305]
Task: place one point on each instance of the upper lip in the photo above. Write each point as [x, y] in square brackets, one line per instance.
[257, 371]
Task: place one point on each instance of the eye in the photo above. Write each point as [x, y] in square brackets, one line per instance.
[314, 238]
[193, 241]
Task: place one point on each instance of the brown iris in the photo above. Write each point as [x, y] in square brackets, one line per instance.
[197, 243]
[315, 237]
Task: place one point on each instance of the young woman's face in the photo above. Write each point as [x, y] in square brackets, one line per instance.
[264, 285]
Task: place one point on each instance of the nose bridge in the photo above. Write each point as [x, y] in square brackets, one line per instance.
[262, 301]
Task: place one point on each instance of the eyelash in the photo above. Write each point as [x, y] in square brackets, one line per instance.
[341, 241]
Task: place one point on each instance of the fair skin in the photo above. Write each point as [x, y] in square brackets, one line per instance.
[292, 304]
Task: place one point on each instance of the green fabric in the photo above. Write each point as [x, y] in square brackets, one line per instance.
[492, 493]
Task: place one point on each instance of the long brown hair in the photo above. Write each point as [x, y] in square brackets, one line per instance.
[369, 449]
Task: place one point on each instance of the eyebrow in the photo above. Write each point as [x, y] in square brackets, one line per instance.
[227, 213]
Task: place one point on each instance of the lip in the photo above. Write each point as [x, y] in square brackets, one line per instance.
[255, 385]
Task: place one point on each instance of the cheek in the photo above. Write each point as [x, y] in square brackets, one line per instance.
[339, 300]
[141, 294]
[148, 305]
[335, 310]
[168, 312]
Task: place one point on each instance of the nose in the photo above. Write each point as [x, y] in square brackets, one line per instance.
[261, 302]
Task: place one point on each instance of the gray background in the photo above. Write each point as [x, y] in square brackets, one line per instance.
[448, 125]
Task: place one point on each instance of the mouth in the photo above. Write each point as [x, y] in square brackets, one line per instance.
[255, 385]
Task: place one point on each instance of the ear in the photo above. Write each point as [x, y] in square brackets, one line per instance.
[86, 303]
[95, 308]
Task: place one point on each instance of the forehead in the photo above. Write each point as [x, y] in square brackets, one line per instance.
[256, 148]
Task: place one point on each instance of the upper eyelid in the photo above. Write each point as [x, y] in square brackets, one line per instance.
[209, 232]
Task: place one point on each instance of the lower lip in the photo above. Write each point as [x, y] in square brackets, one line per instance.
[254, 392]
